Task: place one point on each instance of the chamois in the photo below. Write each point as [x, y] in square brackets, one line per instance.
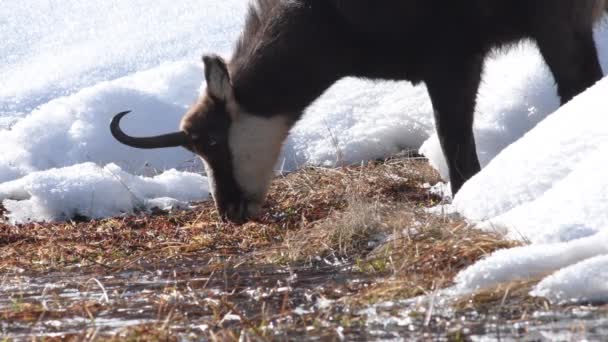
[291, 51]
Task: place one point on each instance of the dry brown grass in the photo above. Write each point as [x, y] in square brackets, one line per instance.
[372, 216]
[296, 202]
[423, 252]
[513, 299]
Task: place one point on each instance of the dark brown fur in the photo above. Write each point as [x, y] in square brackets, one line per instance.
[292, 51]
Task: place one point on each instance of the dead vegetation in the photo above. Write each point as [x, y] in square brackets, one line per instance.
[299, 203]
[513, 298]
[369, 219]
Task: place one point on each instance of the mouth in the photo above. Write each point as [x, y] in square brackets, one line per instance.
[239, 212]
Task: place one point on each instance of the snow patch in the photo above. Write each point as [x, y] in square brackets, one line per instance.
[586, 281]
[92, 191]
[547, 189]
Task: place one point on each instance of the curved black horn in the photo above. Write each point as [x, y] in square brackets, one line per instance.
[166, 140]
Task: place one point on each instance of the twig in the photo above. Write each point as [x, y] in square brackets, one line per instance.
[103, 289]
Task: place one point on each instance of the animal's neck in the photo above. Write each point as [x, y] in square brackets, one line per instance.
[290, 61]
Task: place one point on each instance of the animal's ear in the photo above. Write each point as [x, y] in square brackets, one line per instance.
[217, 76]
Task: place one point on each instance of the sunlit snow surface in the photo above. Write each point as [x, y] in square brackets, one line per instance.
[548, 188]
[66, 67]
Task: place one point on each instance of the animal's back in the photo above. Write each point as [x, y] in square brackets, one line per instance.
[499, 20]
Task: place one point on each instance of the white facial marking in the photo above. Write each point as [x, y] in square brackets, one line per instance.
[210, 178]
[255, 143]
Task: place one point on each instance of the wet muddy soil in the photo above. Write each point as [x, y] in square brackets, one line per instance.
[188, 300]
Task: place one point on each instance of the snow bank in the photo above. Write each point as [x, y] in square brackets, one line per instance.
[95, 192]
[360, 120]
[548, 189]
[530, 262]
[52, 49]
[586, 281]
[74, 129]
[547, 184]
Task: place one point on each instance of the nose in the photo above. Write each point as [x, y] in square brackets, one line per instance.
[235, 212]
[239, 212]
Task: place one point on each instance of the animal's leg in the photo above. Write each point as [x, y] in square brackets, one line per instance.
[452, 87]
[572, 58]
